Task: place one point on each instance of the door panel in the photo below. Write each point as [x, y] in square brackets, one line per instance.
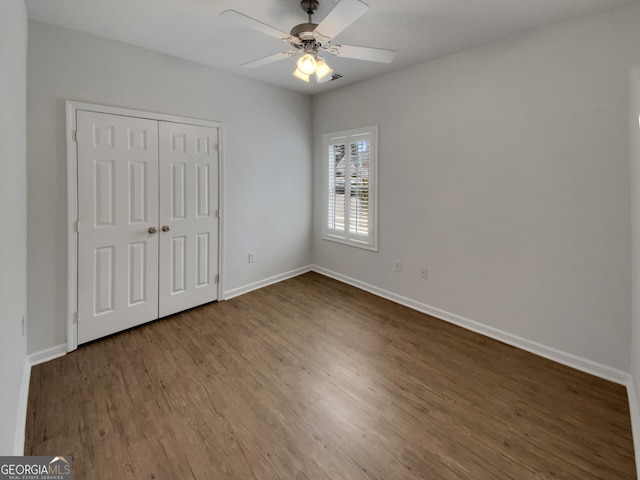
[188, 207]
[117, 203]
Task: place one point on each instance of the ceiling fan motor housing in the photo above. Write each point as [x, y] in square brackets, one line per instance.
[304, 31]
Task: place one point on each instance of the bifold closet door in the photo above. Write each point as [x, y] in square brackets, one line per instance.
[188, 216]
[117, 223]
[147, 220]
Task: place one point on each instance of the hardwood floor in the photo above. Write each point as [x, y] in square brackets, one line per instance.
[313, 379]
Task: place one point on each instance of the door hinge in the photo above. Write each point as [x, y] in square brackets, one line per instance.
[75, 136]
[217, 279]
[217, 214]
[76, 226]
[216, 147]
[76, 317]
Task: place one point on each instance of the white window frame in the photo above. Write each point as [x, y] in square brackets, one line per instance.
[369, 241]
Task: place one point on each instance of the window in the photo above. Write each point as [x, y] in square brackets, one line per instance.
[350, 188]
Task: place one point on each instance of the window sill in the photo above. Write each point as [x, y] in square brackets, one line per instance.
[351, 243]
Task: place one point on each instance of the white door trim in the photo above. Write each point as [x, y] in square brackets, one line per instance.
[71, 108]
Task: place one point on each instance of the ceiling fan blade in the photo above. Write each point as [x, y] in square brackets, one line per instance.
[363, 53]
[242, 20]
[343, 14]
[270, 59]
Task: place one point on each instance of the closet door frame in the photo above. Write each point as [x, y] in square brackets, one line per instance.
[72, 108]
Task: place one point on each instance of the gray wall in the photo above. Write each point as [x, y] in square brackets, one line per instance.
[267, 155]
[505, 170]
[13, 215]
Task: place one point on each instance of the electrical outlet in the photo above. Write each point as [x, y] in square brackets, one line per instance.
[424, 273]
[252, 257]
[398, 265]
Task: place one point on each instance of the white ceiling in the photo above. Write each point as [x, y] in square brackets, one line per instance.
[418, 29]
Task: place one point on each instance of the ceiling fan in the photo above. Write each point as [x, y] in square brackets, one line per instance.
[312, 39]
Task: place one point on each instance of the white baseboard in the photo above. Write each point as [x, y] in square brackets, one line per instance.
[635, 420]
[45, 355]
[579, 363]
[263, 283]
[21, 419]
[31, 360]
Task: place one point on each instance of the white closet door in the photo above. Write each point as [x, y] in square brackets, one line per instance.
[117, 204]
[188, 216]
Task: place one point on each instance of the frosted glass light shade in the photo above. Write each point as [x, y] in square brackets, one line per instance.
[323, 71]
[301, 76]
[307, 64]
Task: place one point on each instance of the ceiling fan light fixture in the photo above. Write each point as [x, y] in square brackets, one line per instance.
[302, 76]
[307, 64]
[323, 71]
[310, 38]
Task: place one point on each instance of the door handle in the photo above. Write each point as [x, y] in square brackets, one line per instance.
[166, 228]
[152, 230]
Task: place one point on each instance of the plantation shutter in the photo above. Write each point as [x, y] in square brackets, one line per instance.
[359, 187]
[350, 202]
[337, 169]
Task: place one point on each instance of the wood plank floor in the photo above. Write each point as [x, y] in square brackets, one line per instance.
[313, 379]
